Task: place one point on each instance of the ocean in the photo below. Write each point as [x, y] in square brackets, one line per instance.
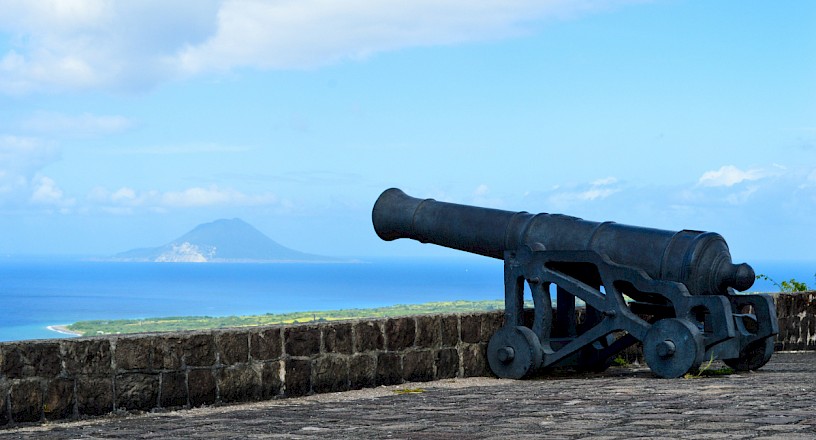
[39, 293]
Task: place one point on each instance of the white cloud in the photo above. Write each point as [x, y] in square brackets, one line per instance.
[124, 195]
[19, 152]
[596, 193]
[729, 175]
[742, 197]
[607, 181]
[563, 197]
[60, 45]
[46, 192]
[21, 158]
[195, 197]
[81, 44]
[85, 124]
[307, 33]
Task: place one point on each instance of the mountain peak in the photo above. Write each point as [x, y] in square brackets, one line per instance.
[222, 240]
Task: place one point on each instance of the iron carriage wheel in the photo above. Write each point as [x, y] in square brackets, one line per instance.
[514, 352]
[753, 356]
[673, 347]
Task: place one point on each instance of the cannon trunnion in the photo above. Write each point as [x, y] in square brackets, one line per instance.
[674, 292]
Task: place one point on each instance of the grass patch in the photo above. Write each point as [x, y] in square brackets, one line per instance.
[620, 362]
[706, 371]
[409, 390]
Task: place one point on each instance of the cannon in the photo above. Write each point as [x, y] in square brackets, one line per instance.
[673, 291]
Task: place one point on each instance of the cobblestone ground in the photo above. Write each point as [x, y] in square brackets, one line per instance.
[777, 402]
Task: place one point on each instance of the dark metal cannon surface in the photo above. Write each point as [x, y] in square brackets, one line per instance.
[673, 291]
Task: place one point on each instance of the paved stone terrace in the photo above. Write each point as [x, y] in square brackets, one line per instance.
[777, 402]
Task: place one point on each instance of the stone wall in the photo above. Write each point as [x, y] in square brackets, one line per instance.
[797, 321]
[69, 378]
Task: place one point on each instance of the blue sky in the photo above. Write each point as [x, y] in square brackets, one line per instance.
[125, 124]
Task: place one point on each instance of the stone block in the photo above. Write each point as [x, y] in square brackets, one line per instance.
[58, 402]
[428, 331]
[447, 363]
[450, 331]
[137, 391]
[337, 338]
[368, 336]
[491, 323]
[400, 333]
[301, 340]
[362, 371]
[389, 369]
[241, 383]
[265, 345]
[167, 353]
[90, 357]
[792, 326]
[271, 383]
[298, 377]
[134, 353]
[797, 304]
[199, 350]
[783, 330]
[233, 347]
[173, 389]
[4, 409]
[471, 328]
[331, 374]
[418, 366]
[474, 361]
[31, 359]
[779, 304]
[201, 387]
[94, 395]
[26, 400]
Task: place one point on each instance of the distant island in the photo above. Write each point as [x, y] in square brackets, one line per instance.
[221, 241]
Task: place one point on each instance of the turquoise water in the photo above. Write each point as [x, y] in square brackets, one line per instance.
[36, 294]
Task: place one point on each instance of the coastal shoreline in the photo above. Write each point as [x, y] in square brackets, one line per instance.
[63, 329]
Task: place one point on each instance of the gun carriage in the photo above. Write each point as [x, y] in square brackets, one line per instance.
[672, 291]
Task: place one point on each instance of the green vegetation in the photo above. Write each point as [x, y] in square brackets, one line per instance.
[787, 286]
[409, 390]
[619, 361]
[176, 323]
[705, 370]
[722, 371]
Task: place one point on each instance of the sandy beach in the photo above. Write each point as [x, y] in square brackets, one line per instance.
[63, 329]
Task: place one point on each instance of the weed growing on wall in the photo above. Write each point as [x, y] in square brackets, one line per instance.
[787, 286]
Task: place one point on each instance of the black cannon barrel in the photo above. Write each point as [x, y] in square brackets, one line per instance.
[699, 260]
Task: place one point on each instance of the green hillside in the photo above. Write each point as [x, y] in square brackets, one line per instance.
[175, 323]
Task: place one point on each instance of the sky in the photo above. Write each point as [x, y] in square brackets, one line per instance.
[126, 124]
